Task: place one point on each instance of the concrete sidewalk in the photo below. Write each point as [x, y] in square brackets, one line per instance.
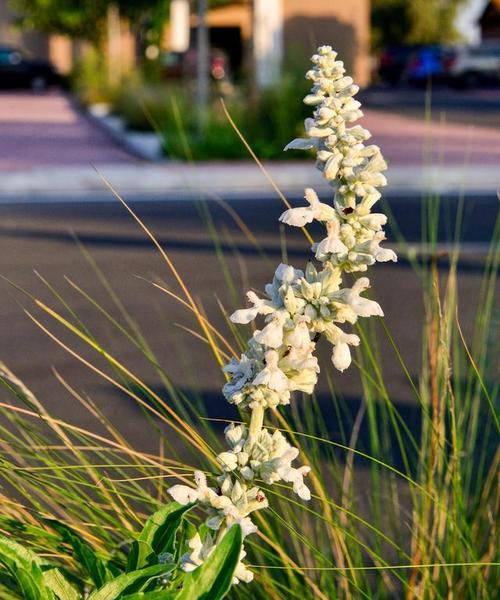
[45, 130]
[228, 180]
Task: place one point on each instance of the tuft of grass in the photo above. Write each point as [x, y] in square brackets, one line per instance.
[406, 511]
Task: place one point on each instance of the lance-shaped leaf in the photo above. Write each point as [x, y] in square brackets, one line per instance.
[26, 568]
[154, 595]
[158, 535]
[55, 580]
[84, 554]
[212, 580]
[129, 583]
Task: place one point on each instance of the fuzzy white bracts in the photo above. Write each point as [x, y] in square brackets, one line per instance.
[295, 309]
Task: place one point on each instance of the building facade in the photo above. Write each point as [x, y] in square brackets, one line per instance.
[278, 33]
[490, 21]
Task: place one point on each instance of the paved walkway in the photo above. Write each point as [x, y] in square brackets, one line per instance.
[44, 130]
[412, 141]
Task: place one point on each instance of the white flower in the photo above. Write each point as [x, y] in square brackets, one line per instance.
[287, 274]
[200, 551]
[228, 460]
[299, 337]
[332, 163]
[361, 307]
[246, 315]
[184, 494]
[305, 380]
[341, 154]
[272, 334]
[241, 572]
[373, 222]
[332, 244]
[381, 254]
[269, 457]
[313, 131]
[296, 477]
[271, 375]
[241, 372]
[298, 217]
[341, 355]
[235, 435]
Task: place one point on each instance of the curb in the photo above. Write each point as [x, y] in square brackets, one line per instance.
[144, 145]
[234, 180]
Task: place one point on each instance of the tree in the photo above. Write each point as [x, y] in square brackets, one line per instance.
[413, 22]
[82, 19]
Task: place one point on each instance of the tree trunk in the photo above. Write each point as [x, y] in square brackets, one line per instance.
[203, 64]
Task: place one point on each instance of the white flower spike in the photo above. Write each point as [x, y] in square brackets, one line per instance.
[297, 308]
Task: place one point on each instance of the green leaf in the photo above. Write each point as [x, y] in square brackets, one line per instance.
[154, 595]
[157, 536]
[84, 553]
[129, 582]
[212, 580]
[25, 567]
[56, 581]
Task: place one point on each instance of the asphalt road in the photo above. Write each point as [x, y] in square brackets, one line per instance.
[38, 241]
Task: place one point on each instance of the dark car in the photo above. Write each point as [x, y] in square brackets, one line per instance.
[428, 63]
[394, 62]
[183, 64]
[19, 71]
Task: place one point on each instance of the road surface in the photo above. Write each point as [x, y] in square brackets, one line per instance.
[38, 241]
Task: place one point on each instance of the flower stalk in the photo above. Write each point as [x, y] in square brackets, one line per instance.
[297, 308]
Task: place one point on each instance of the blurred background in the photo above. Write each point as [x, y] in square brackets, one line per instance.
[141, 63]
[134, 87]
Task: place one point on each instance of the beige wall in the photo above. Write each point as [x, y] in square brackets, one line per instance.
[237, 15]
[61, 53]
[342, 24]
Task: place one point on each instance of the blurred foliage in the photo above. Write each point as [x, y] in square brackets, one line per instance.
[89, 78]
[86, 19]
[76, 18]
[400, 22]
[83, 19]
[268, 124]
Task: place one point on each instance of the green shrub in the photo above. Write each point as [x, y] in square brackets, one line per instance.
[169, 108]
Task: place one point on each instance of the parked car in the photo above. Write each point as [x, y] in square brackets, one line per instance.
[17, 70]
[393, 63]
[183, 64]
[473, 65]
[428, 63]
[414, 64]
